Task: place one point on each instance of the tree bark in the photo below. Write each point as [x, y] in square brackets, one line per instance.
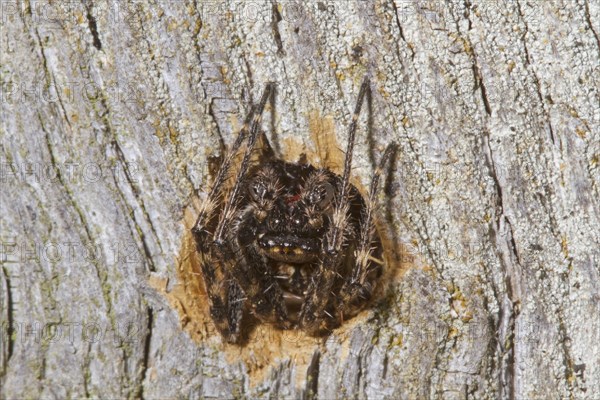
[112, 113]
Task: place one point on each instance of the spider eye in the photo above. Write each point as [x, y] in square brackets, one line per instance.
[258, 190]
[321, 195]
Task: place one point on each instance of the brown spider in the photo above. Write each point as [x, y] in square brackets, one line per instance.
[293, 244]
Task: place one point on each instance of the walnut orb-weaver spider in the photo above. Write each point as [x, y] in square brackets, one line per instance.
[293, 244]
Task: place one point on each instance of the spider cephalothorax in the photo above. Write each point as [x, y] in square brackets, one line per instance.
[292, 243]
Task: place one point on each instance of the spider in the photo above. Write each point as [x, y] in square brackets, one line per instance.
[293, 244]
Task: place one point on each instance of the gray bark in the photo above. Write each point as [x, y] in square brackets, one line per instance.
[111, 112]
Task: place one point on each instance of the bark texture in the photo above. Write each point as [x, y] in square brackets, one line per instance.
[111, 112]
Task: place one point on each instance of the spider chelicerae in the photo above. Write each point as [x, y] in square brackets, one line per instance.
[291, 243]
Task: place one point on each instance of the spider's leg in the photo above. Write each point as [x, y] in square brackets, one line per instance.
[267, 151]
[256, 278]
[225, 302]
[225, 307]
[225, 295]
[230, 209]
[356, 288]
[221, 241]
[337, 229]
[210, 206]
[235, 310]
[313, 312]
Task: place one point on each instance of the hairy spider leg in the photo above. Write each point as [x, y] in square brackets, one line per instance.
[210, 205]
[336, 233]
[252, 272]
[357, 288]
[246, 267]
[254, 275]
[235, 310]
[223, 297]
[226, 297]
[313, 313]
[231, 206]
